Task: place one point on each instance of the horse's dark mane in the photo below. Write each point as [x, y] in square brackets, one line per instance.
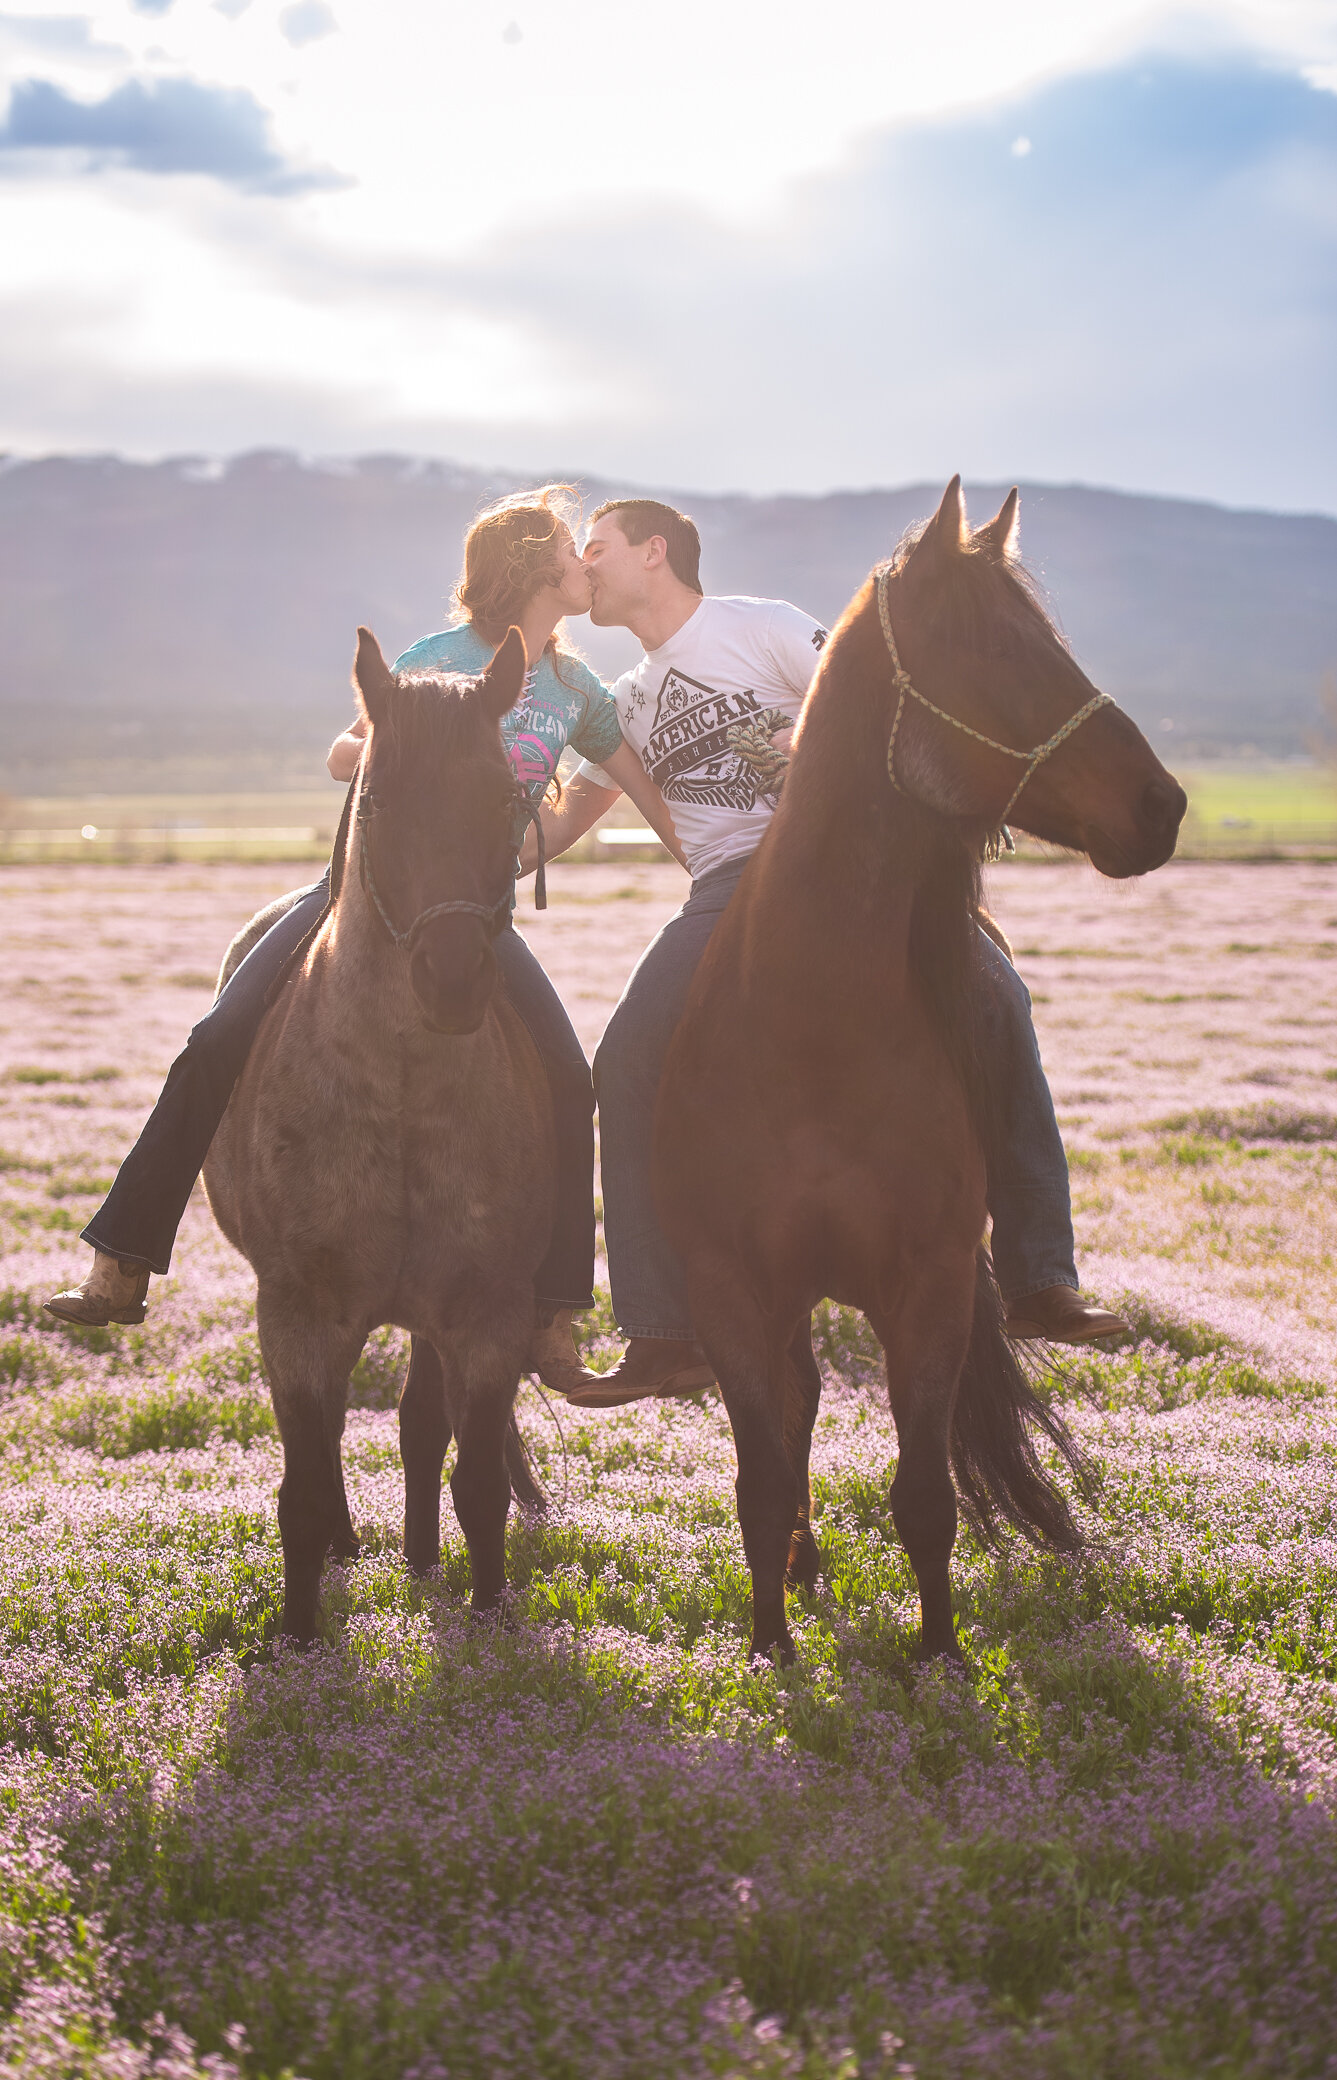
[945, 953]
[842, 767]
[997, 603]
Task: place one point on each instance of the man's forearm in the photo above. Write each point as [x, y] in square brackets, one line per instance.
[625, 767]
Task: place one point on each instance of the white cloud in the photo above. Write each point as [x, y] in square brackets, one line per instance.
[306, 22]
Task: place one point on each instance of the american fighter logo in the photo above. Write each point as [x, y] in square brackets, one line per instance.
[688, 753]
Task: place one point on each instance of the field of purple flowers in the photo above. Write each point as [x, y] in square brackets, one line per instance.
[601, 1844]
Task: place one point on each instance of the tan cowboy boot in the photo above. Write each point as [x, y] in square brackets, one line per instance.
[553, 1355]
[1059, 1315]
[114, 1291]
[649, 1366]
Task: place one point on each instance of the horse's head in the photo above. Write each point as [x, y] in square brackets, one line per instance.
[975, 644]
[435, 834]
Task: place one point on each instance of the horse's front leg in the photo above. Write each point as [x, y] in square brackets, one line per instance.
[308, 1359]
[925, 1341]
[753, 1370]
[424, 1435]
[482, 1360]
[802, 1395]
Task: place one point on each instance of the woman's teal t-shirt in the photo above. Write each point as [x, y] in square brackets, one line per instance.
[574, 708]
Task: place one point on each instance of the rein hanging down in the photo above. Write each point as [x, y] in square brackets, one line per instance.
[1032, 760]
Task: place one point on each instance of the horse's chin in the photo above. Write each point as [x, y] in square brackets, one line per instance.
[452, 1026]
[1118, 862]
[454, 1016]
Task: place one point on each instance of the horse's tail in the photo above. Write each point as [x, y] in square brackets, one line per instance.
[998, 1476]
[525, 1484]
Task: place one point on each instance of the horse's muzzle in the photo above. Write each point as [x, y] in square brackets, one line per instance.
[452, 974]
[1150, 837]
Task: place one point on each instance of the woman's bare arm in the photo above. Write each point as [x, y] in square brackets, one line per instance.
[346, 750]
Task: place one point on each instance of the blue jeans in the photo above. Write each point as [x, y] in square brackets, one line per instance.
[142, 1212]
[1026, 1164]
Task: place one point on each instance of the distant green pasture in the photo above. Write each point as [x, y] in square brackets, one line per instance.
[1240, 807]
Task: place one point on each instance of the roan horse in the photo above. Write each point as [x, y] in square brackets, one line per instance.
[388, 1154]
[818, 1131]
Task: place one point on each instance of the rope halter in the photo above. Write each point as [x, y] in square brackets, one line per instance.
[1032, 760]
[494, 915]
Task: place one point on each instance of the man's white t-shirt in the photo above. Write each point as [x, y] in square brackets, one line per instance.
[731, 662]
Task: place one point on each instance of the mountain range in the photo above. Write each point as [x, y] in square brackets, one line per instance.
[190, 623]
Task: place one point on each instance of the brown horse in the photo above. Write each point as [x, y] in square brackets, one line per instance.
[818, 1130]
[388, 1154]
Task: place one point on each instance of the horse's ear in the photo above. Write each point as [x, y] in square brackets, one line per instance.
[504, 680]
[1003, 533]
[373, 680]
[947, 530]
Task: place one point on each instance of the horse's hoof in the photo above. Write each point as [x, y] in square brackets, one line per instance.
[422, 1562]
[779, 1652]
[946, 1653]
[498, 1613]
[346, 1546]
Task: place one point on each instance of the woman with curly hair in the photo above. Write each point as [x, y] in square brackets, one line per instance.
[522, 568]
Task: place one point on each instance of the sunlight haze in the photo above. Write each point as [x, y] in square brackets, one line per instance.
[539, 235]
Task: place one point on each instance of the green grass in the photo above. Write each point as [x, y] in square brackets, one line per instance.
[1237, 808]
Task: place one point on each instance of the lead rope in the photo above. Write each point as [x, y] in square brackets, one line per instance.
[999, 840]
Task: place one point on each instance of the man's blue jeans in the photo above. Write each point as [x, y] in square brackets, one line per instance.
[1027, 1167]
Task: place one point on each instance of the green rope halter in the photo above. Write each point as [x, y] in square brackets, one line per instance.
[1001, 838]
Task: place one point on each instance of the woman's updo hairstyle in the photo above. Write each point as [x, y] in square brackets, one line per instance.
[511, 553]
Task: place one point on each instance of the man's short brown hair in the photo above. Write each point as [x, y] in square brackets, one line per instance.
[639, 518]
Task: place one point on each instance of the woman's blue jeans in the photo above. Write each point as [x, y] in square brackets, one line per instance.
[1027, 1167]
[142, 1212]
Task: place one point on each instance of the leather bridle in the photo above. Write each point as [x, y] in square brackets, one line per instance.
[496, 916]
[1032, 760]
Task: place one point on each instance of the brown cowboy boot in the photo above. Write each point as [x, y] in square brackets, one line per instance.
[1059, 1315]
[553, 1355]
[650, 1366]
[114, 1291]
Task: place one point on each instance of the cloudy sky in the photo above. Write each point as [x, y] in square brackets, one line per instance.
[706, 243]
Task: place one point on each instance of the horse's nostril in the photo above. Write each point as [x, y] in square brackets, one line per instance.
[447, 972]
[452, 978]
[1163, 803]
